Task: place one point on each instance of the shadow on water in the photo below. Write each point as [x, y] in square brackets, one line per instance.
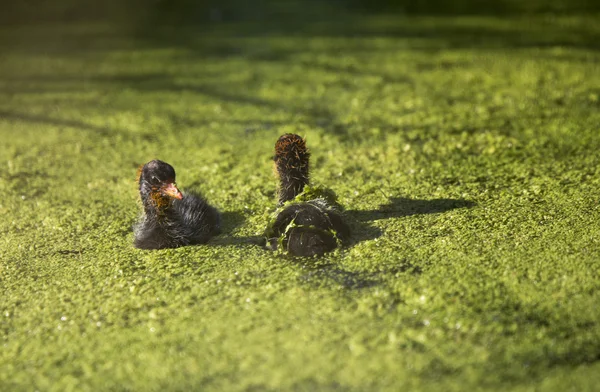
[33, 118]
[199, 25]
[397, 207]
[223, 39]
[401, 206]
[230, 220]
[361, 229]
[195, 11]
[227, 240]
[329, 274]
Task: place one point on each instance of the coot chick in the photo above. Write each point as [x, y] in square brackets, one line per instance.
[308, 221]
[171, 219]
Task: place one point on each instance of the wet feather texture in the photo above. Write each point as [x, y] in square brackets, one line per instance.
[171, 219]
[303, 226]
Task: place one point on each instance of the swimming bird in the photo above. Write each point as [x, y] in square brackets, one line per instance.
[308, 221]
[171, 218]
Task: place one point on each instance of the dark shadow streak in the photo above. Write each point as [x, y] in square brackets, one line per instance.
[327, 274]
[5, 115]
[226, 240]
[230, 220]
[396, 208]
[401, 207]
[332, 274]
[352, 71]
[362, 231]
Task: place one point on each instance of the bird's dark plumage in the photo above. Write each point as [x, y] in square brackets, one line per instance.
[302, 226]
[171, 219]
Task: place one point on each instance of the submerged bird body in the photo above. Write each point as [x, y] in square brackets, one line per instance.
[171, 218]
[310, 228]
[308, 222]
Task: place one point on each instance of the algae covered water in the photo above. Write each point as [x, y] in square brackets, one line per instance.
[464, 149]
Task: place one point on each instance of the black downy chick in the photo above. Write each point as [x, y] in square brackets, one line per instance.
[302, 227]
[171, 219]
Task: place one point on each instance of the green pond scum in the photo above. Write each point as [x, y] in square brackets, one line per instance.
[464, 150]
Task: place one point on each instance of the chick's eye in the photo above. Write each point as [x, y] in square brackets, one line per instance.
[154, 180]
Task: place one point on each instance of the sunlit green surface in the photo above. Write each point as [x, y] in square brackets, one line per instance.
[466, 153]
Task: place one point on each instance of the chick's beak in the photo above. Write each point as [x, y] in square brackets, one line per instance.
[172, 191]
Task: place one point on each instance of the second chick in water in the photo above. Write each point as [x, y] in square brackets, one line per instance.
[308, 221]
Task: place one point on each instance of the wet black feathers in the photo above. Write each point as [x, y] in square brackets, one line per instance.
[169, 222]
[309, 228]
